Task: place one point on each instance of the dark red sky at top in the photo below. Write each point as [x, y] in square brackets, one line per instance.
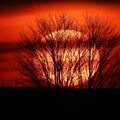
[15, 16]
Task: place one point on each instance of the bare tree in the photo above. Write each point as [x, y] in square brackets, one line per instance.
[105, 36]
[61, 53]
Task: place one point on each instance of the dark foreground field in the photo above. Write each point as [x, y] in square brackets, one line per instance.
[58, 99]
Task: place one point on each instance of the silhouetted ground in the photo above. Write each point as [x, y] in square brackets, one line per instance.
[53, 100]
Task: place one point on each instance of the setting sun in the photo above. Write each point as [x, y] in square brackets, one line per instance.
[59, 56]
[77, 54]
[17, 17]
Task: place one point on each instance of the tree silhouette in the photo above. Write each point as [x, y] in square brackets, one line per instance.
[61, 53]
[105, 36]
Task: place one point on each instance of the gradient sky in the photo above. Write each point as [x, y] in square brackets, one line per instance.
[15, 16]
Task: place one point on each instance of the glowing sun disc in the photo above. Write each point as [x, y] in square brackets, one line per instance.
[70, 55]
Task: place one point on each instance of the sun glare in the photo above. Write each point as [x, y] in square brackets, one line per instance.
[74, 59]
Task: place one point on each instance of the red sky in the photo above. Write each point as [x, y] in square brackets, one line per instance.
[16, 19]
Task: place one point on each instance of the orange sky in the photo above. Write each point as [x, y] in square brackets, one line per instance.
[16, 20]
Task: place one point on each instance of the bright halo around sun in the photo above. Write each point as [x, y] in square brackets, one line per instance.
[71, 57]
